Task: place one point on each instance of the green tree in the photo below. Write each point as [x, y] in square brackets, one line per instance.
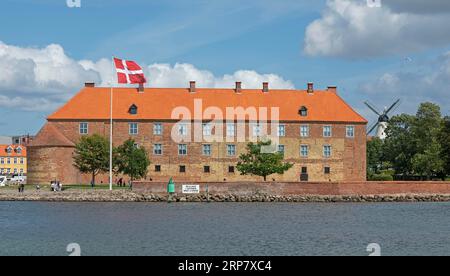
[92, 155]
[445, 143]
[132, 160]
[256, 162]
[426, 131]
[374, 157]
[400, 146]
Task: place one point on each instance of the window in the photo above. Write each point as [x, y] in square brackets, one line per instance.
[327, 131]
[182, 169]
[8, 160]
[231, 150]
[22, 161]
[157, 129]
[15, 171]
[281, 149]
[256, 131]
[9, 150]
[134, 128]
[304, 131]
[231, 130]
[2, 160]
[304, 150]
[304, 170]
[281, 130]
[157, 168]
[15, 160]
[303, 111]
[21, 171]
[182, 149]
[8, 171]
[183, 129]
[350, 132]
[327, 170]
[327, 151]
[157, 149]
[207, 169]
[84, 128]
[19, 150]
[231, 169]
[207, 130]
[207, 150]
[133, 110]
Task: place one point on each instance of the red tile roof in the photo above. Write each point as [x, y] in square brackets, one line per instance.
[14, 153]
[92, 103]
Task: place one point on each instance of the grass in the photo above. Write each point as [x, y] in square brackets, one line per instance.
[76, 187]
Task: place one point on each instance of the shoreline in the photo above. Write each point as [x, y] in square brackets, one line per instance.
[130, 196]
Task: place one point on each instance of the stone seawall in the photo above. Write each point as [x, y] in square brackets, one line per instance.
[129, 196]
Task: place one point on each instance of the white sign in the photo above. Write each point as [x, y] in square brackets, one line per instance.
[191, 189]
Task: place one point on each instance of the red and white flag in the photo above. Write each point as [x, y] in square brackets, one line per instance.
[129, 72]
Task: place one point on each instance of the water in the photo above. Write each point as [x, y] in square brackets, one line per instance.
[30, 228]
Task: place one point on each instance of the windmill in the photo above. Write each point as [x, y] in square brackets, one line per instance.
[383, 118]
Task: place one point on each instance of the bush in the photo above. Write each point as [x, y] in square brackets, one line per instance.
[382, 177]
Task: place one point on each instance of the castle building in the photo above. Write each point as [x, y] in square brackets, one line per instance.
[13, 160]
[316, 130]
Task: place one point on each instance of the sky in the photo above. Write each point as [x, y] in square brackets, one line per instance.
[378, 51]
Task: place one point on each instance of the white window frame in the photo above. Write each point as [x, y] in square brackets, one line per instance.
[231, 129]
[327, 153]
[156, 148]
[302, 133]
[326, 133]
[231, 150]
[207, 129]
[257, 130]
[350, 131]
[157, 129]
[281, 131]
[182, 149]
[133, 128]
[206, 149]
[84, 128]
[302, 151]
[183, 129]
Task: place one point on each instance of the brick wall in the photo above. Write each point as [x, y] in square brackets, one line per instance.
[297, 188]
[348, 162]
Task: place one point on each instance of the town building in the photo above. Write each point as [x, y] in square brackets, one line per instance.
[13, 160]
[317, 131]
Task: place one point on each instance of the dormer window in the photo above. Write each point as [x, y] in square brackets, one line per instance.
[19, 150]
[303, 111]
[9, 149]
[133, 110]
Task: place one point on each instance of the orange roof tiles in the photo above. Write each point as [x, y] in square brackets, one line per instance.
[14, 151]
[92, 103]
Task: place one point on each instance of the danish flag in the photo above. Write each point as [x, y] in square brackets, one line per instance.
[129, 72]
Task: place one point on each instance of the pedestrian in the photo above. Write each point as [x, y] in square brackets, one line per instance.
[38, 188]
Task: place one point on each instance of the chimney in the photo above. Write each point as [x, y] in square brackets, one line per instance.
[310, 88]
[265, 87]
[141, 88]
[192, 88]
[89, 84]
[332, 89]
[238, 87]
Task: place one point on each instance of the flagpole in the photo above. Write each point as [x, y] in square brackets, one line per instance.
[111, 130]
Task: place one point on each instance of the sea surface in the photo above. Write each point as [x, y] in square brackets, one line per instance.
[237, 229]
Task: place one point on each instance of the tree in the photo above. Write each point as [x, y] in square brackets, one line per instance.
[255, 162]
[400, 146]
[444, 140]
[426, 132]
[374, 157]
[92, 155]
[132, 160]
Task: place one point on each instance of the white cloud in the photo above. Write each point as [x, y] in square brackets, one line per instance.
[428, 82]
[351, 29]
[40, 79]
